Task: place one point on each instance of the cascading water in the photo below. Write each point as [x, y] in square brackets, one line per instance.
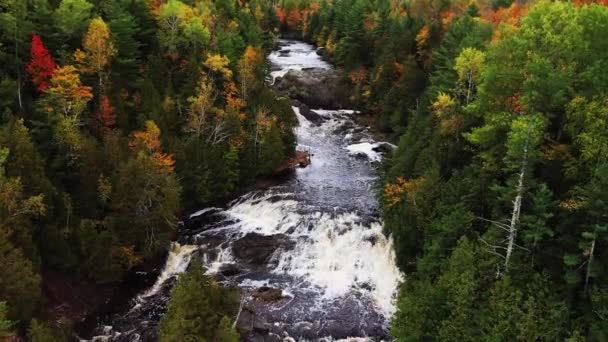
[317, 237]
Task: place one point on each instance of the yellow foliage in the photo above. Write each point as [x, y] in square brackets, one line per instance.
[66, 92]
[394, 193]
[219, 64]
[98, 48]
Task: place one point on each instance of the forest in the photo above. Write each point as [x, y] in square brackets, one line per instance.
[119, 116]
[496, 195]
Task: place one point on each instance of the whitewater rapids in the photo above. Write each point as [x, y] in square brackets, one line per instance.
[337, 269]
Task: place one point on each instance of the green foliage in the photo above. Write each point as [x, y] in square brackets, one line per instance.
[225, 332]
[71, 17]
[40, 332]
[93, 182]
[19, 283]
[197, 308]
[500, 113]
[5, 324]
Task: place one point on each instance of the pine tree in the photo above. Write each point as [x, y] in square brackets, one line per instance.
[40, 332]
[225, 332]
[190, 315]
[5, 324]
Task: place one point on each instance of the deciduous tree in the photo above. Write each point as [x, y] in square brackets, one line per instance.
[41, 66]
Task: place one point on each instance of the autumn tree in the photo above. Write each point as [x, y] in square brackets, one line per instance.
[182, 25]
[469, 65]
[201, 106]
[67, 98]
[249, 69]
[41, 66]
[98, 50]
[147, 194]
[107, 114]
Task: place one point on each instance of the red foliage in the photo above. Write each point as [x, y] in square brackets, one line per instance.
[294, 18]
[281, 14]
[508, 15]
[107, 115]
[589, 2]
[41, 66]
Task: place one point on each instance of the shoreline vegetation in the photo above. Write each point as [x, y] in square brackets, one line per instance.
[492, 197]
[117, 116]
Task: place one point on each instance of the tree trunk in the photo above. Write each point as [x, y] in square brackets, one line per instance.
[517, 204]
[589, 262]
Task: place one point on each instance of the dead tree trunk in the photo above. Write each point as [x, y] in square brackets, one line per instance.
[513, 225]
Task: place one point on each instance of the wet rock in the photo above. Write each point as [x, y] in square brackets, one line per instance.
[229, 270]
[310, 115]
[268, 294]
[249, 323]
[199, 223]
[384, 148]
[257, 249]
[373, 239]
[317, 88]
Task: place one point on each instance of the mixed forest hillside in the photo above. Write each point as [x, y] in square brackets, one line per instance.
[496, 196]
[115, 117]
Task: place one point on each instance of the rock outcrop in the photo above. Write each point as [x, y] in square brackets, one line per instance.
[315, 87]
[257, 249]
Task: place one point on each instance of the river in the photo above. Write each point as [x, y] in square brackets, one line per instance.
[317, 237]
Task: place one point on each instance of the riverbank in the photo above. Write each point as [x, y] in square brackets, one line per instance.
[308, 253]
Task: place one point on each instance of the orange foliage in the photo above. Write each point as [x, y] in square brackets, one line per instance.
[555, 151]
[422, 46]
[154, 6]
[233, 100]
[149, 141]
[590, 2]
[508, 15]
[107, 115]
[358, 76]
[131, 257]
[370, 22]
[446, 19]
[402, 188]
[399, 68]
[68, 94]
[515, 105]
[280, 14]
[294, 18]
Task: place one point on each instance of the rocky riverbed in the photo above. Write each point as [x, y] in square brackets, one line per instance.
[309, 254]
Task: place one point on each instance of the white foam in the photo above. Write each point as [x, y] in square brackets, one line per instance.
[177, 262]
[366, 149]
[201, 212]
[341, 255]
[265, 217]
[300, 56]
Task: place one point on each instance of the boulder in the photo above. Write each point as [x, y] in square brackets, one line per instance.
[229, 270]
[310, 115]
[268, 294]
[384, 148]
[248, 322]
[257, 249]
[316, 87]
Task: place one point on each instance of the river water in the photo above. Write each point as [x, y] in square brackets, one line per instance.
[332, 261]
